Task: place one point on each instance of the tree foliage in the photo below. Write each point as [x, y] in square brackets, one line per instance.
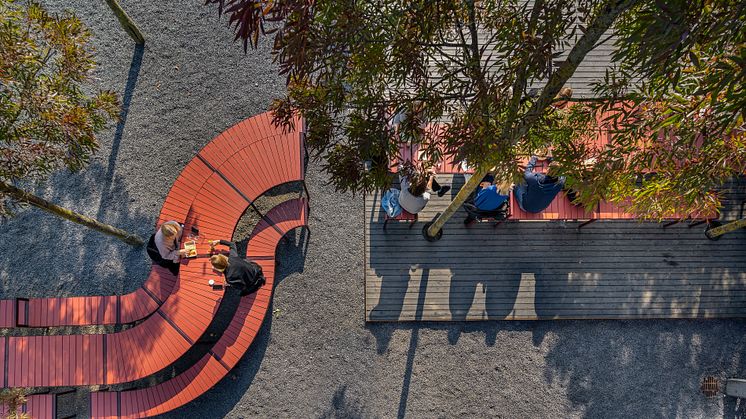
[48, 120]
[673, 104]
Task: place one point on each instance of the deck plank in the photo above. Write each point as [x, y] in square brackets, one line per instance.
[532, 270]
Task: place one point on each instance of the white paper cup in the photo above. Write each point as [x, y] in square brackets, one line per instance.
[211, 282]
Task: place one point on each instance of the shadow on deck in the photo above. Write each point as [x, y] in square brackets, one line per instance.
[549, 270]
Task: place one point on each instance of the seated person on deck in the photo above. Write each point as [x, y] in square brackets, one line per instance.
[163, 246]
[489, 196]
[540, 189]
[414, 197]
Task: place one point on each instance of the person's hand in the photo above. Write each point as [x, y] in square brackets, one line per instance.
[214, 243]
[182, 253]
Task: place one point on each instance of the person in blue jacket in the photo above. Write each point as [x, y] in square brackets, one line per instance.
[540, 189]
[489, 196]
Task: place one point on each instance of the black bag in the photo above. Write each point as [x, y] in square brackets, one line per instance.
[153, 252]
[248, 278]
[499, 214]
[259, 280]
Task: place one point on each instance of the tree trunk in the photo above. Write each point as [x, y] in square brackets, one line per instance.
[65, 213]
[463, 193]
[127, 23]
[585, 44]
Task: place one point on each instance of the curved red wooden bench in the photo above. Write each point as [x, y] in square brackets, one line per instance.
[232, 344]
[37, 406]
[204, 197]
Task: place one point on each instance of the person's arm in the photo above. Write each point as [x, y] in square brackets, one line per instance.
[170, 254]
[404, 182]
[232, 246]
[530, 166]
[430, 183]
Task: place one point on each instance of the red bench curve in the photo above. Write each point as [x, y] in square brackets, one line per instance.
[230, 347]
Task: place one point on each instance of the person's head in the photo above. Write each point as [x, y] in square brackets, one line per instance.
[564, 95]
[169, 230]
[418, 186]
[552, 172]
[219, 262]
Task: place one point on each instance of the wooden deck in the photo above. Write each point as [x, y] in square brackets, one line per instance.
[548, 270]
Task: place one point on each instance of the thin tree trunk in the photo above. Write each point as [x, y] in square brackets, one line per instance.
[458, 200]
[587, 42]
[65, 213]
[127, 23]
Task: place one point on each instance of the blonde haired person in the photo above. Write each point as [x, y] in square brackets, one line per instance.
[163, 246]
[240, 273]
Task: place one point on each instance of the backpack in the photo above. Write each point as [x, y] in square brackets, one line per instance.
[390, 203]
[258, 279]
[499, 214]
[252, 277]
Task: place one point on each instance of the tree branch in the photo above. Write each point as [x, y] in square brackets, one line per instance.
[585, 44]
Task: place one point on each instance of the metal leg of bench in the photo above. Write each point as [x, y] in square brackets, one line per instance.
[670, 223]
[497, 223]
[411, 223]
[585, 223]
[25, 312]
[305, 188]
[696, 223]
[385, 222]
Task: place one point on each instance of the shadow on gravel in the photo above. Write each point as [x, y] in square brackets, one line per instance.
[129, 90]
[343, 406]
[734, 408]
[621, 372]
[77, 260]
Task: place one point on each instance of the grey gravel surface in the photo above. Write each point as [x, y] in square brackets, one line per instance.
[315, 357]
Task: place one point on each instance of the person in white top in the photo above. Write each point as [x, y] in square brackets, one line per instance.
[414, 197]
[164, 246]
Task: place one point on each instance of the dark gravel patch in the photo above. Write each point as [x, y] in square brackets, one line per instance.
[315, 357]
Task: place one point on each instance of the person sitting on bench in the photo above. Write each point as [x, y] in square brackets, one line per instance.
[163, 246]
[540, 189]
[489, 196]
[243, 274]
[414, 196]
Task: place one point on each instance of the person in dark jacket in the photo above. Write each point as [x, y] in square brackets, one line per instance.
[243, 274]
[540, 189]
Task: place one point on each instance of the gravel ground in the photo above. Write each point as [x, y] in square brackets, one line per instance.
[315, 357]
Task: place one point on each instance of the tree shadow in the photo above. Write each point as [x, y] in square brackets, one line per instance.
[81, 261]
[129, 90]
[343, 406]
[646, 368]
